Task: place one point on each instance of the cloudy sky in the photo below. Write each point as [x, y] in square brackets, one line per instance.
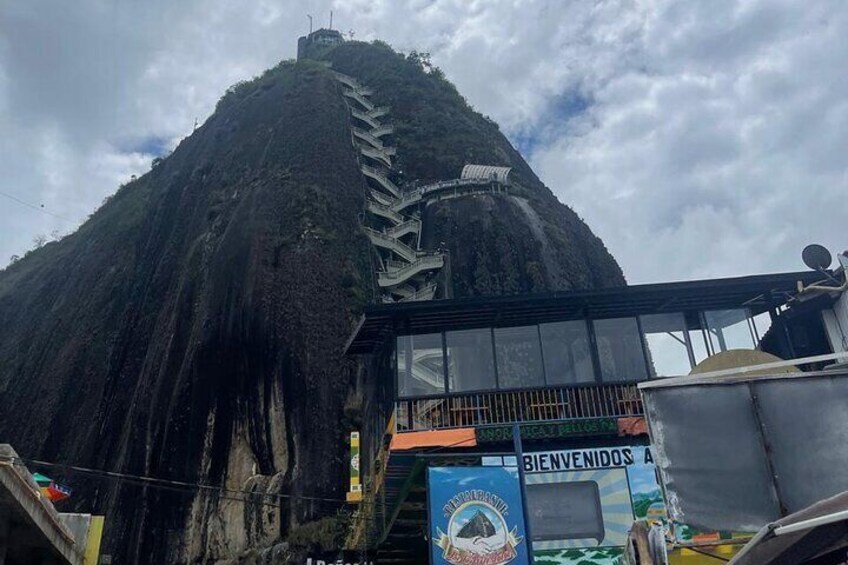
[697, 138]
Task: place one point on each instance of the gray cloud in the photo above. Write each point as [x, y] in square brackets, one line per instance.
[723, 152]
[697, 138]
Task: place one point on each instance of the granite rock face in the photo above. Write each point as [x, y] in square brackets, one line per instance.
[192, 329]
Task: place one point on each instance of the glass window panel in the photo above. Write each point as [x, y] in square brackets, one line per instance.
[665, 337]
[698, 339]
[762, 325]
[420, 365]
[519, 357]
[729, 329]
[471, 362]
[565, 511]
[620, 350]
[568, 358]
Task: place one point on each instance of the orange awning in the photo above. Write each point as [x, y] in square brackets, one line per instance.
[635, 426]
[461, 437]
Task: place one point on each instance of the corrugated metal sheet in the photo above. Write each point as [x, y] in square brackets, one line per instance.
[735, 453]
[486, 172]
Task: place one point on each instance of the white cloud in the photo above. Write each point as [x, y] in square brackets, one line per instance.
[720, 149]
[696, 138]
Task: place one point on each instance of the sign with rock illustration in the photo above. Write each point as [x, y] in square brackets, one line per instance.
[475, 516]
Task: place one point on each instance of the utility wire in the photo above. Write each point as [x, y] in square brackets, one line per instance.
[34, 207]
[168, 484]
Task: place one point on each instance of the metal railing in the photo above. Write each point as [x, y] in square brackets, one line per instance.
[508, 407]
[392, 243]
[379, 112]
[409, 226]
[382, 130]
[346, 80]
[381, 178]
[377, 154]
[425, 293]
[407, 199]
[367, 137]
[364, 102]
[363, 116]
[455, 187]
[384, 211]
[399, 272]
[380, 197]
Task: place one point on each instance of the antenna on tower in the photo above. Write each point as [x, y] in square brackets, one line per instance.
[331, 19]
[310, 22]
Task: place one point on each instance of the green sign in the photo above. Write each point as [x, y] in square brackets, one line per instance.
[550, 430]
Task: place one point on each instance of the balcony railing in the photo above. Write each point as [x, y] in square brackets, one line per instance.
[507, 407]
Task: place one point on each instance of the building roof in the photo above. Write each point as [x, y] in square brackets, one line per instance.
[756, 292]
[486, 172]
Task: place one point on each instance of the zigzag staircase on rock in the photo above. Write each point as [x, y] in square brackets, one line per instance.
[405, 272]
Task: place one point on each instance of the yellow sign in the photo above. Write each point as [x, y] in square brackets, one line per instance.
[92, 544]
[355, 493]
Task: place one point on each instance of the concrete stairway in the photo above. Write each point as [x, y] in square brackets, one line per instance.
[393, 244]
[398, 273]
[366, 136]
[378, 112]
[376, 154]
[381, 198]
[381, 178]
[380, 131]
[384, 212]
[360, 99]
[364, 117]
[406, 271]
[426, 292]
[406, 228]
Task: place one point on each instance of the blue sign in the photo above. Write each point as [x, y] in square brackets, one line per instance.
[475, 516]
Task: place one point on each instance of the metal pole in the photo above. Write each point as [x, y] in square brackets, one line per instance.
[519, 456]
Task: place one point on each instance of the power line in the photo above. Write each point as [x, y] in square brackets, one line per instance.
[34, 207]
[169, 484]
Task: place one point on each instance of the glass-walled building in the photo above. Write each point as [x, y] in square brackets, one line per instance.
[448, 379]
[570, 352]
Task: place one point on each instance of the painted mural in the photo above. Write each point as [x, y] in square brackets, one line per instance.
[581, 503]
[571, 525]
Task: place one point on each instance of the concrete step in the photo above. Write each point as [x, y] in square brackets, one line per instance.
[394, 245]
[385, 129]
[366, 136]
[373, 123]
[378, 112]
[406, 228]
[381, 178]
[407, 199]
[380, 197]
[397, 273]
[376, 154]
[346, 80]
[361, 100]
[425, 293]
[384, 212]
